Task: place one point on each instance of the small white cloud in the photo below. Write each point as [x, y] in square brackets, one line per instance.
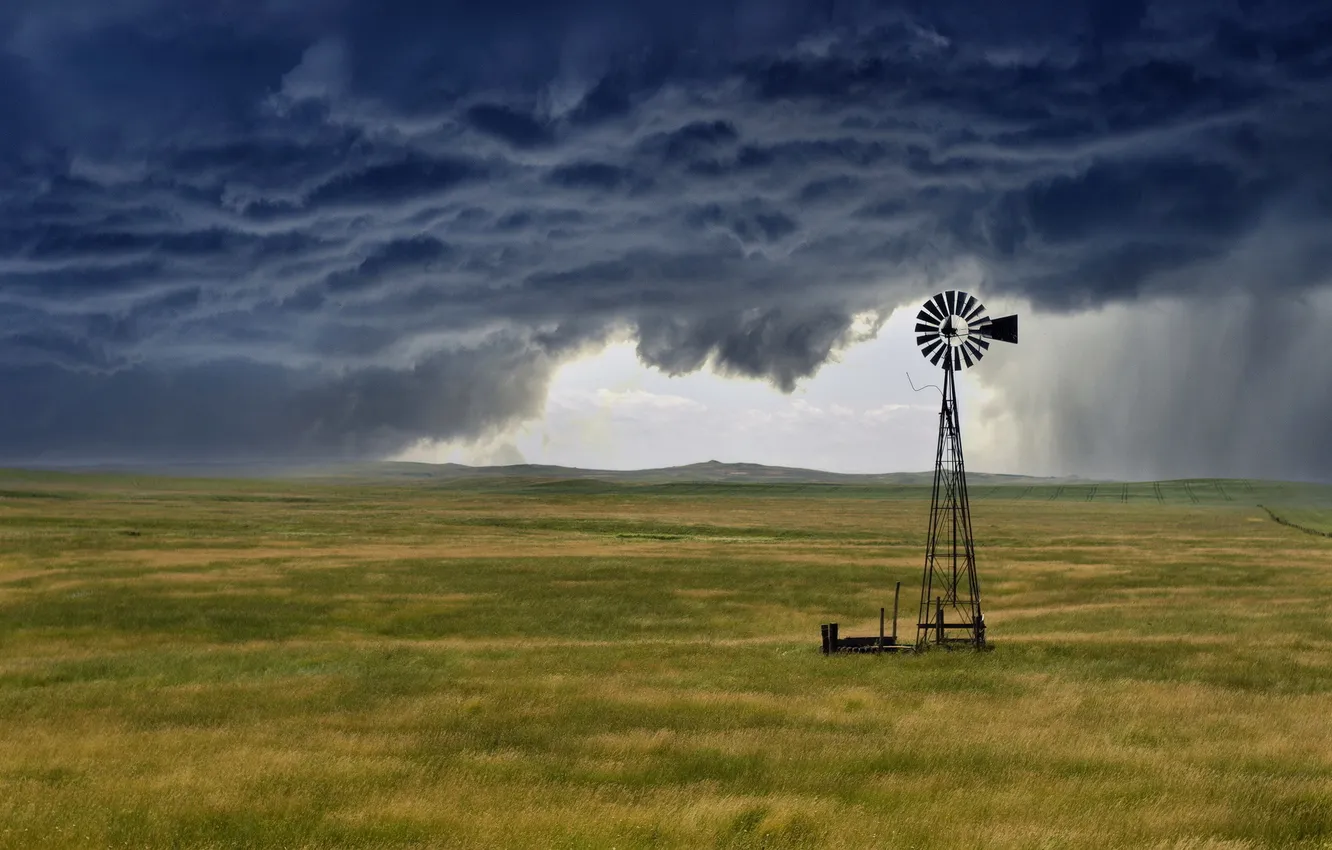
[865, 325]
[321, 75]
[888, 412]
[644, 400]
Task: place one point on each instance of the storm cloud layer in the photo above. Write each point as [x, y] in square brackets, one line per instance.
[1234, 387]
[332, 228]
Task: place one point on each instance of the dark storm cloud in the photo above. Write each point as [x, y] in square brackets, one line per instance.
[243, 411]
[755, 345]
[335, 227]
[517, 128]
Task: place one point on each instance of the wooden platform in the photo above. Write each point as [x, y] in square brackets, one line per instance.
[834, 642]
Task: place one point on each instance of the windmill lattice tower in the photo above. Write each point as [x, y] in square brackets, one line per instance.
[952, 329]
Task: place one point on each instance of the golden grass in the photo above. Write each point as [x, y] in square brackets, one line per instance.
[400, 668]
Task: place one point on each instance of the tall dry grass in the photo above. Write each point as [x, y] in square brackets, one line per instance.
[261, 664]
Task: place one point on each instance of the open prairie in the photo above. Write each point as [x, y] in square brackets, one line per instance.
[525, 663]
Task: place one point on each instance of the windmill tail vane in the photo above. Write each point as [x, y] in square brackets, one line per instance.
[953, 331]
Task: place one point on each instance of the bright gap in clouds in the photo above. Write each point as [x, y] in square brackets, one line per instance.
[608, 411]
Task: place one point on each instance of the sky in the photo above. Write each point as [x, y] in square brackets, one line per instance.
[639, 234]
[858, 414]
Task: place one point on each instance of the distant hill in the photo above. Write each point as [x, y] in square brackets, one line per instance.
[701, 473]
[1303, 505]
[710, 472]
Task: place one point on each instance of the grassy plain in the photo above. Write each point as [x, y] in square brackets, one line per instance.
[189, 663]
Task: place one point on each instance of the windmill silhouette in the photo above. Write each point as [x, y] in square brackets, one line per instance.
[951, 330]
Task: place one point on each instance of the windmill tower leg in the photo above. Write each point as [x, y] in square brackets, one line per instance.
[950, 606]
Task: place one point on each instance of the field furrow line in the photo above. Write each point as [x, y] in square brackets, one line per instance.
[1295, 525]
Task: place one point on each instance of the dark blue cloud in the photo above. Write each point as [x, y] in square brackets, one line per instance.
[599, 177]
[394, 181]
[517, 128]
[244, 411]
[343, 204]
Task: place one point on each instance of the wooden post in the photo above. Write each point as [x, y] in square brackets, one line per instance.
[939, 627]
[832, 636]
[823, 632]
[896, 594]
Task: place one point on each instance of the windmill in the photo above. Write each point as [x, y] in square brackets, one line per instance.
[952, 330]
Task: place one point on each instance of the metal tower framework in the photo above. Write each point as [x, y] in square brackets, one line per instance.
[952, 329]
[950, 600]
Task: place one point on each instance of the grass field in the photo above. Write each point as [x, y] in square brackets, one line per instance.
[189, 663]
